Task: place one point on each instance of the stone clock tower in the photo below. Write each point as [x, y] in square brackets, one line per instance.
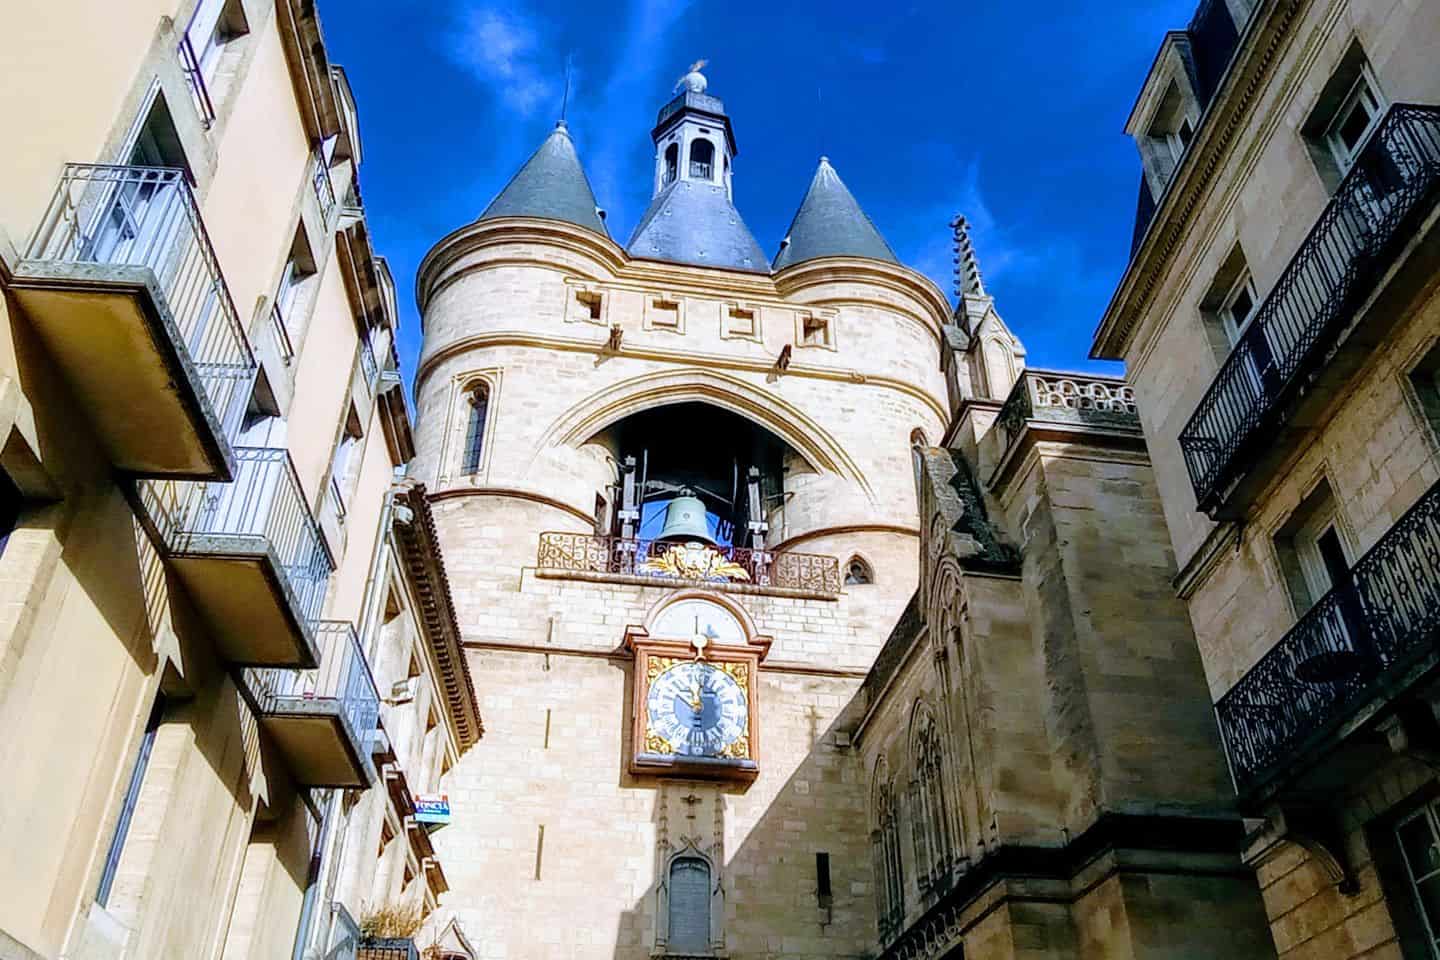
[675, 487]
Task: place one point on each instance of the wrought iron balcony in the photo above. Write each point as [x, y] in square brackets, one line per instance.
[1338, 266]
[1067, 398]
[323, 186]
[1359, 642]
[322, 719]
[250, 556]
[583, 553]
[123, 287]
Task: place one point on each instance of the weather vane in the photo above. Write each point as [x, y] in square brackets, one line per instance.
[694, 81]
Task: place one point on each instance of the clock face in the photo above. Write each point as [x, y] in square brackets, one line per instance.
[698, 710]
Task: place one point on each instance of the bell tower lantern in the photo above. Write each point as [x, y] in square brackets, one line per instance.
[694, 141]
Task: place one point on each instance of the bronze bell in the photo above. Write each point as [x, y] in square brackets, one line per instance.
[685, 521]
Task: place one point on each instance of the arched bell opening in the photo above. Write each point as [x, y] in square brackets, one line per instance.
[693, 472]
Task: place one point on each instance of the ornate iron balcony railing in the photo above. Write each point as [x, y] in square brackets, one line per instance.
[1353, 643]
[263, 506]
[586, 553]
[323, 186]
[343, 677]
[1394, 179]
[1067, 398]
[147, 218]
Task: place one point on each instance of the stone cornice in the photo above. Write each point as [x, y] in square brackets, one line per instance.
[1254, 60]
[519, 338]
[420, 553]
[898, 279]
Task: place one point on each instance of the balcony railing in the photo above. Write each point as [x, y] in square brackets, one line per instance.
[700, 170]
[374, 948]
[264, 507]
[1336, 268]
[1067, 398]
[663, 560]
[280, 332]
[1355, 642]
[341, 687]
[323, 186]
[369, 369]
[146, 218]
[195, 77]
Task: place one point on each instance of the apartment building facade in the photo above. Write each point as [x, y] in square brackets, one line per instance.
[1279, 321]
[201, 427]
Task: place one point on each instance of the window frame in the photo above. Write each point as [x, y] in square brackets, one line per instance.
[1431, 817]
[1332, 136]
[1234, 326]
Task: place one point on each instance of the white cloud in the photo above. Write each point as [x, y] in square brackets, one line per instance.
[500, 47]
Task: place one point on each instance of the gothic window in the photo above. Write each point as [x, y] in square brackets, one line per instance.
[857, 573]
[702, 160]
[672, 163]
[689, 905]
[479, 401]
[930, 822]
[885, 852]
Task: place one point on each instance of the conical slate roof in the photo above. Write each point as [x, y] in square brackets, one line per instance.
[694, 222]
[552, 186]
[830, 223]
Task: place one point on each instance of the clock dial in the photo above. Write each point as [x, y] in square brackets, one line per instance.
[697, 708]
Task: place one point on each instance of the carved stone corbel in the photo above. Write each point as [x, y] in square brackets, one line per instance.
[1315, 830]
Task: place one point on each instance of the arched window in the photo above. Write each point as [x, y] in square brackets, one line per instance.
[479, 398]
[702, 160]
[857, 573]
[689, 905]
[672, 163]
[885, 852]
[930, 826]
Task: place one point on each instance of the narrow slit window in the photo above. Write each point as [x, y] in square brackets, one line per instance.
[475, 432]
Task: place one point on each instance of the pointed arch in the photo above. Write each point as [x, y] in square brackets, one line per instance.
[858, 572]
[594, 413]
[885, 851]
[930, 814]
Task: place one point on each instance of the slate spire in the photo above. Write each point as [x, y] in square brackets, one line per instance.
[830, 223]
[551, 186]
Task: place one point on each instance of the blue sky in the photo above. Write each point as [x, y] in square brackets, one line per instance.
[1011, 116]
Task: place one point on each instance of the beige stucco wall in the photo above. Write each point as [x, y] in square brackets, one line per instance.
[92, 624]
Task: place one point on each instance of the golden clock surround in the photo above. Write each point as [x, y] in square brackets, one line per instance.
[741, 759]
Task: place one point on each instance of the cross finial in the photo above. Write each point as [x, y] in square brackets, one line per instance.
[968, 280]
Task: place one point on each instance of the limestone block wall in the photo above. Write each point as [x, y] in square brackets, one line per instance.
[1126, 700]
[1378, 453]
[597, 865]
[509, 303]
[1265, 199]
